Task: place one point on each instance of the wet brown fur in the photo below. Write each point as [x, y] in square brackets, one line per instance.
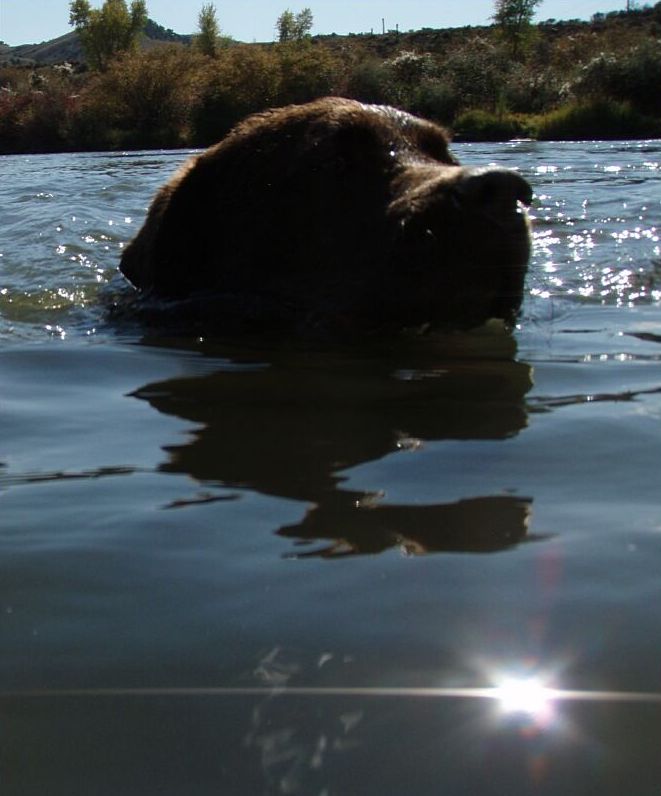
[332, 212]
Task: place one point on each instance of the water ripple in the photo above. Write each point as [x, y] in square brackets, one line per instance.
[596, 223]
[67, 217]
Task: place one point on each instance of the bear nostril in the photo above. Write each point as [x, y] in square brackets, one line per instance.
[491, 189]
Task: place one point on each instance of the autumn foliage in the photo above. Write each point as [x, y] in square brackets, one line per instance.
[570, 76]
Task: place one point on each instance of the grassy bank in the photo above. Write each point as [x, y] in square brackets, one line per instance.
[577, 121]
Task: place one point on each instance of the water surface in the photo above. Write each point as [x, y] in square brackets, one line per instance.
[422, 566]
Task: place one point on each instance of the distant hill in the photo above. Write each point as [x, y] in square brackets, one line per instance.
[64, 48]
[156, 32]
[68, 47]
[380, 45]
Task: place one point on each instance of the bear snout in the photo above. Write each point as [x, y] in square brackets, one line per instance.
[491, 190]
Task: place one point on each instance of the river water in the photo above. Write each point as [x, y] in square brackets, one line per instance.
[243, 567]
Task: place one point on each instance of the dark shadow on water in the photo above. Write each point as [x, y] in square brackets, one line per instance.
[289, 423]
[478, 525]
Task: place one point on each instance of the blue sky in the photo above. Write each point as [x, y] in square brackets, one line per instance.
[32, 21]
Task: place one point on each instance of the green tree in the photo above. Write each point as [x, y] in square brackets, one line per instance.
[294, 27]
[108, 31]
[514, 18]
[304, 22]
[208, 38]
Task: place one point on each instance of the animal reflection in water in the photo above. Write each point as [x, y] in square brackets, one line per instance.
[289, 430]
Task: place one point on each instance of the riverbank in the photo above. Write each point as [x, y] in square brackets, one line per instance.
[573, 80]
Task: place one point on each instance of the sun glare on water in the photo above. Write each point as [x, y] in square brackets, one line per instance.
[526, 696]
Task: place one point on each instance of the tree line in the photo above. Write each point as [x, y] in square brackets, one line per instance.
[108, 32]
[513, 78]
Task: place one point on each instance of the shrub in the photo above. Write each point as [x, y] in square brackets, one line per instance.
[436, 99]
[634, 78]
[409, 68]
[369, 81]
[532, 91]
[477, 71]
[143, 100]
[307, 71]
[242, 80]
[407, 72]
[478, 125]
[599, 119]
[245, 79]
[37, 111]
[410, 81]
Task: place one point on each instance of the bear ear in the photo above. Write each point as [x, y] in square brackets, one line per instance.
[435, 142]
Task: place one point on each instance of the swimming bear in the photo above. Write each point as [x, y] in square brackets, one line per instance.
[337, 214]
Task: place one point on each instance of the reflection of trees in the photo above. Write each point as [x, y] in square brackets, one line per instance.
[290, 428]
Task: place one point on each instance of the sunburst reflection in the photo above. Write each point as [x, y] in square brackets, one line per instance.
[526, 699]
[528, 696]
